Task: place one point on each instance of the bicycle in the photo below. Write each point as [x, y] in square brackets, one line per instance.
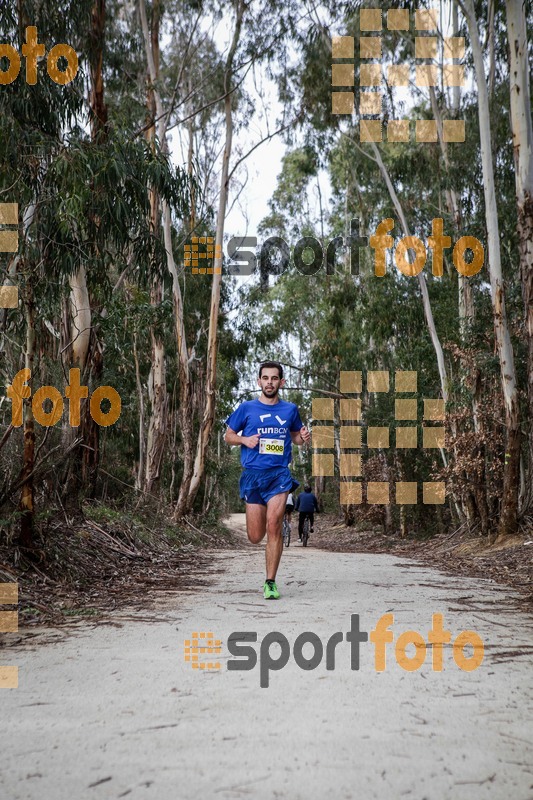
[286, 532]
[305, 532]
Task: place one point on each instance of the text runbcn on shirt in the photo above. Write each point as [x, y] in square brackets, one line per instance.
[274, 424]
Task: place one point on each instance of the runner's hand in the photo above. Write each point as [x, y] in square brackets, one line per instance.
[306, 436]
[252, 441]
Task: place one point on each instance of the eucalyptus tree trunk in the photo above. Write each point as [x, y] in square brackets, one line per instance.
[469, 498]
[27, 509]
[190, 157]
[349, 511]
[492, 50]
[209, 410]
[157, 387]
[521, 126]
[509, 507]
[139, 470]
[98, 108]
[428, 313]
[456, 90]
[80, 319]
[194, 453]
[90, 430]
[157, 394]
[82, 348]
[465, 298]
[185, 405]
[26, 504]
[77, 349]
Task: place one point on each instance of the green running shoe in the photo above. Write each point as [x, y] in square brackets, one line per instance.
[270, 590]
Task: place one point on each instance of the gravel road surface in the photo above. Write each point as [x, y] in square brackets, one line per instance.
[114, 710]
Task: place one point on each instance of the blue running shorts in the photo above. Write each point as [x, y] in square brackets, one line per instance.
[260, 485]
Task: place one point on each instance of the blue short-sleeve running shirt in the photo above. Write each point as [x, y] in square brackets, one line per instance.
[274, 424]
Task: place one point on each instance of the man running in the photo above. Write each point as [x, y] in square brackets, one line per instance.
[269, 426]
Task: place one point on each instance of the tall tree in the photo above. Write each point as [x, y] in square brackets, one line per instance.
[211, 367]
[150, 466]
[83, 349]
[522, 131]
[509, 510]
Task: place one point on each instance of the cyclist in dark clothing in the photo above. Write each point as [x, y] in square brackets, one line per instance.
[306, 504]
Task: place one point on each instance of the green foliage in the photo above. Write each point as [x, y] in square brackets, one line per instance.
[327, 324]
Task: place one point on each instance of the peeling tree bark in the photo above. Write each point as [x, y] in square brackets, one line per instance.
[466, 300]
[98, 108]
[26, 504]
[157, 386]
[509, 507]
[80, 319]
[83, 349]
[209, 411]
[428, 313]
[466, 307]
[26, 539]
[194, 453]
[185, 409]
[522, 130]
[157, 394]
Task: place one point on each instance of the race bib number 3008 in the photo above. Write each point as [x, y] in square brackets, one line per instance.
[271, 447]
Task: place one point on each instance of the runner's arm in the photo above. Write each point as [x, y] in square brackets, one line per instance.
[301, 437]
[230, 437]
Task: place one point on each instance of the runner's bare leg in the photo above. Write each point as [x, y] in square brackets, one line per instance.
[268, 519]
[274, 522]
[256, 515]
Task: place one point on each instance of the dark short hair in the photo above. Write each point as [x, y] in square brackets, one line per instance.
[271, 364]
[307, 488]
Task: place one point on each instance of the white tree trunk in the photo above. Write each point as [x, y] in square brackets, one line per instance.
[139, 475]
[522, 130]
[80, 318]
[520, 98]
[421, 281]
[508, 517]
[209, 411]
[157, 393]
[151, 457]
[466, 300]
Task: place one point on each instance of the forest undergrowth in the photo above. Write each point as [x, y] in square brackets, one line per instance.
[108, 558]
[502, 560]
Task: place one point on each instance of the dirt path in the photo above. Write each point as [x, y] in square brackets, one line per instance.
[113, 710]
